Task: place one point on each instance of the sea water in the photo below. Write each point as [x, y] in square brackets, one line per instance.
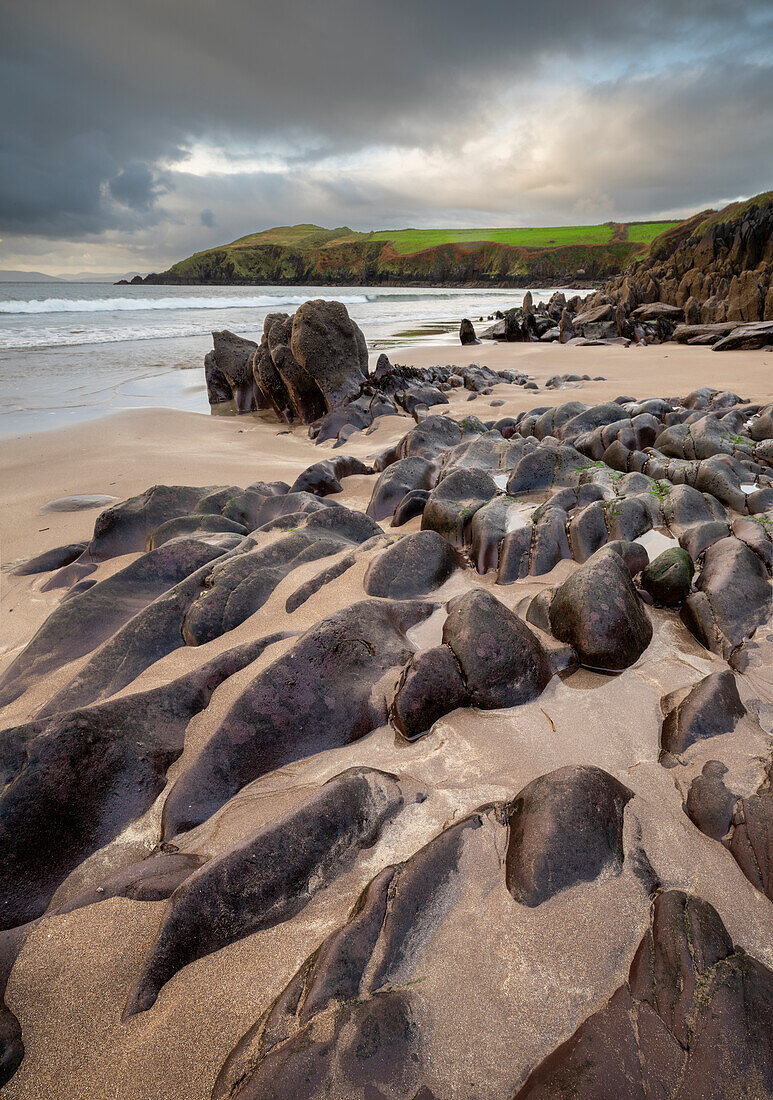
[73, 351]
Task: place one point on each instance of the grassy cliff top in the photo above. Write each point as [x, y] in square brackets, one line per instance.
[407, 242]
[296, 236]
[731, 212]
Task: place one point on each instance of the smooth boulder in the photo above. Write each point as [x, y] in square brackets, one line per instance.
[598, 612]
[431, 686]
[503, 662]
[412, 566]
[712, 707]
[318, 695]
[669, 576]
[269, 876]
[566, 827]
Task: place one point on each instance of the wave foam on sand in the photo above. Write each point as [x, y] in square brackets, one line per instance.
[111, 305]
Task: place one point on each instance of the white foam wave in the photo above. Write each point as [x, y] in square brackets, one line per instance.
[114, 305]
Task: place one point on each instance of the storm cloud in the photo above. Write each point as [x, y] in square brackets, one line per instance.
[141, 131]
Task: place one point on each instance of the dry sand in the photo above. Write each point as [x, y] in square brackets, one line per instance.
[552, 965]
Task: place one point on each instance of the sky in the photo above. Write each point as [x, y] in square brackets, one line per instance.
[134, 132]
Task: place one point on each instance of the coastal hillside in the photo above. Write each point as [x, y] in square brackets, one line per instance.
[454, 257]
[717, 266]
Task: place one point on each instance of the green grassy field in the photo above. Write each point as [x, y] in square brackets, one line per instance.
[298, 236]
[406, 242]
[646, 232]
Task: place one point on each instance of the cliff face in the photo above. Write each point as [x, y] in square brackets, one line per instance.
[376, 263]
[716, 266]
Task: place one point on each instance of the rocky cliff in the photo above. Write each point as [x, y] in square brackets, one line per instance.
[717, 266]
[357, 260]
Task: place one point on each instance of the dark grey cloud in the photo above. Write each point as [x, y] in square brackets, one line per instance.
[137, 187]
[99, 95]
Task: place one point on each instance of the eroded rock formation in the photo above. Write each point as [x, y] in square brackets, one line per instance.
[379, 801]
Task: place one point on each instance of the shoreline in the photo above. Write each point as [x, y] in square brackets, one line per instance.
[181, 386]
[76, 364]
[120, 453]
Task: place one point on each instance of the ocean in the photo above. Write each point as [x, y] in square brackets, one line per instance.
[74, 351]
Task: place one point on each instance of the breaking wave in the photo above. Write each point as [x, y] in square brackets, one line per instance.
[115, 305]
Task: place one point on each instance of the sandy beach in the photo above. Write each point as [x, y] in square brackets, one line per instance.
[69, 985]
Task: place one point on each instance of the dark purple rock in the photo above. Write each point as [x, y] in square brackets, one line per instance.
[413, 566]
[694, 1020]
[267, 877]
[711, 708]
[566, 827]
[599, 614]
[502, 661]
[431, 686]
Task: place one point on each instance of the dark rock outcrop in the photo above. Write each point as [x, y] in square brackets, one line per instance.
[693, 1020]
[306, 397]
[231, 363]
[323, 478]
[88, 619]
[712, 707]
[412, 505]
[751, 843]
[709, 803]
[723, 261]
[269, 876]
[489, 659]
[732, 598]
[304, 367]
[147, 637]
[374, 1010]
[49, 560]
[411, 567]
[318, 695]
[74, 781]
[566, 827]
[467, 333]
[330, 347]
[598, 612]
[356, 983]
[239, 586]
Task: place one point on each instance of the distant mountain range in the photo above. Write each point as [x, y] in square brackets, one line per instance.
[311, 255]
[10, 276]
[7, 276]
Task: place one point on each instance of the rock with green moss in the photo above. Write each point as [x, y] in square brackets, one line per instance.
[669, 577]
